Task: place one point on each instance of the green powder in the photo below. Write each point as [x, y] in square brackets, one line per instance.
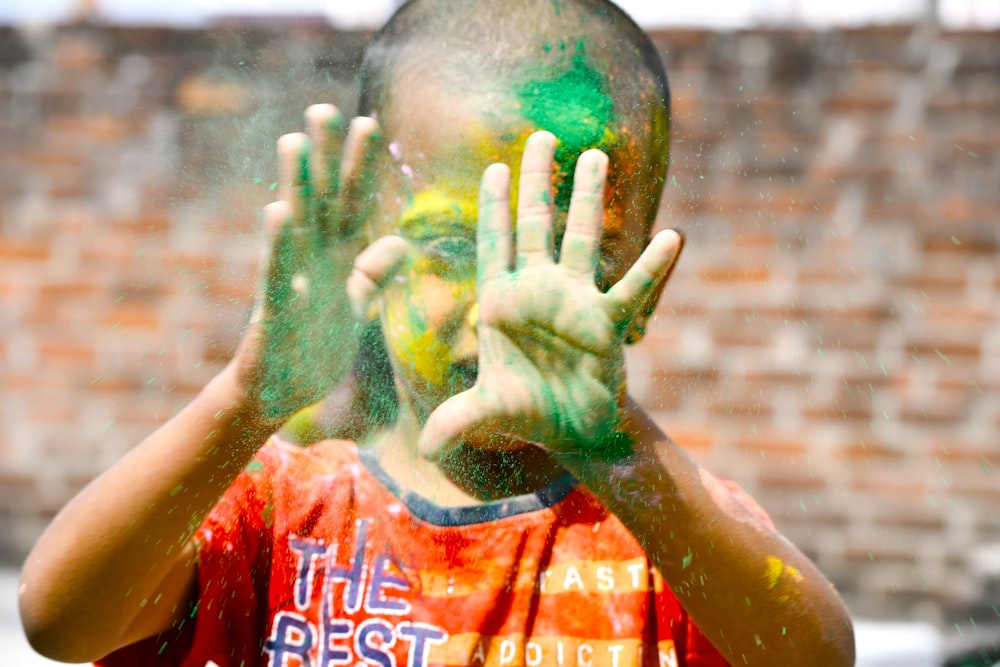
[576, 108]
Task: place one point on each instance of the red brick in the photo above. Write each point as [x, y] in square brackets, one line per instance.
[853, 102]
[692, 439]
[770, 446]
[971, 481]
[114, 384]
[960, 382]
[871, 453]
[939, 281]
[791, 479]
[67, 290]
[752, 402]
[20, 382]
[843, 409]
[960, 209]
[146, 222]
[727, 274]
[968, 455]
[131, 316]
[48, 159]
[924, 518]
[77, 54]
[677, 382]
[240, 291]
[950, 101]
[19, 250]
[95, 129]
[200, 95]
[945, 351]
[66, 351]
[770, 379]
[51, 411]
[740, 336]
[15, 487]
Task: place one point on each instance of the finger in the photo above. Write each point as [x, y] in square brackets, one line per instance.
[454, 418]
[637, 328]
[326, 130]
[357, 174]
[534, 201]
[586, 214]
[629, 297]
[275, 215]
[493, 244]
[373, 268]
[293, 171]
[281, 259]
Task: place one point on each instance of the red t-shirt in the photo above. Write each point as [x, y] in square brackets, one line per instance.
[315, 558]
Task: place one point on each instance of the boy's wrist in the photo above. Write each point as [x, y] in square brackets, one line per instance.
[618, 445]
[229, 397]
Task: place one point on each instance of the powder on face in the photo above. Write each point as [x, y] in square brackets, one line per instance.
[576, 108]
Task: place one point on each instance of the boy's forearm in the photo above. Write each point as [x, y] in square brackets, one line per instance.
[95, 579]
[750, 591]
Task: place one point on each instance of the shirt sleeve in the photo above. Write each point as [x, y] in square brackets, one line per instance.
[698, 651]
[225, 625]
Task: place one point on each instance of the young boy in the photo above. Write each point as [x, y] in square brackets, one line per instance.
[519, 508]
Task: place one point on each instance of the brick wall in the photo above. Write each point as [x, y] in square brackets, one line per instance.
[831, 339]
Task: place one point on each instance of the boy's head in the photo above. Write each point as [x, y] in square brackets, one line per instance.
[459, 84]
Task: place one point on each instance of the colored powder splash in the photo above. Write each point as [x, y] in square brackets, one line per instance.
[778, 570]
[576, 107]
[415, 343]
[433, 211]
[374, 402]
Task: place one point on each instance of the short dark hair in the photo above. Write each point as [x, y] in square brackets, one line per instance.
[472, 45]
[478, 32]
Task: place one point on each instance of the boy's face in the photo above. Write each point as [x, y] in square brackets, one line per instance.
[439, 146]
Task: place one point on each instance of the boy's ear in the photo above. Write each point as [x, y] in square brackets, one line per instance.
[637, 328]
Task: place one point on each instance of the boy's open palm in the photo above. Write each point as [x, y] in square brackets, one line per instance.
[304, 333]
[551, 359]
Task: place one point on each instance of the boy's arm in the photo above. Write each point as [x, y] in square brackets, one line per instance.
[551, 371]
[117, 563]
[752, 593]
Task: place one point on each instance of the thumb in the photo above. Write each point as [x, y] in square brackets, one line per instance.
[373, 268]
[634, 298]
[453, 419]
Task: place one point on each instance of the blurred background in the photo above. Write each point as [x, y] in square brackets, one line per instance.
[830, 339]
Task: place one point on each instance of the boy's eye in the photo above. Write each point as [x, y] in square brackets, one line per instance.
[452, 255]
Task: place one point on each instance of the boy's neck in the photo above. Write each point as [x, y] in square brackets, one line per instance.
[468, 475]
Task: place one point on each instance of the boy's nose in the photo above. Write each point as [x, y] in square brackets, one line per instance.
[466, 341]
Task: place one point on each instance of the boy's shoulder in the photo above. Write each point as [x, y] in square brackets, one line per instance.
[286, 484]
[280, 460]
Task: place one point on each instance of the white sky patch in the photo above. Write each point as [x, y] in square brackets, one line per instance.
[969, 14]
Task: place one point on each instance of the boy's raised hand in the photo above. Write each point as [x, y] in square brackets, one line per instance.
[316, 288]
[551, 359]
